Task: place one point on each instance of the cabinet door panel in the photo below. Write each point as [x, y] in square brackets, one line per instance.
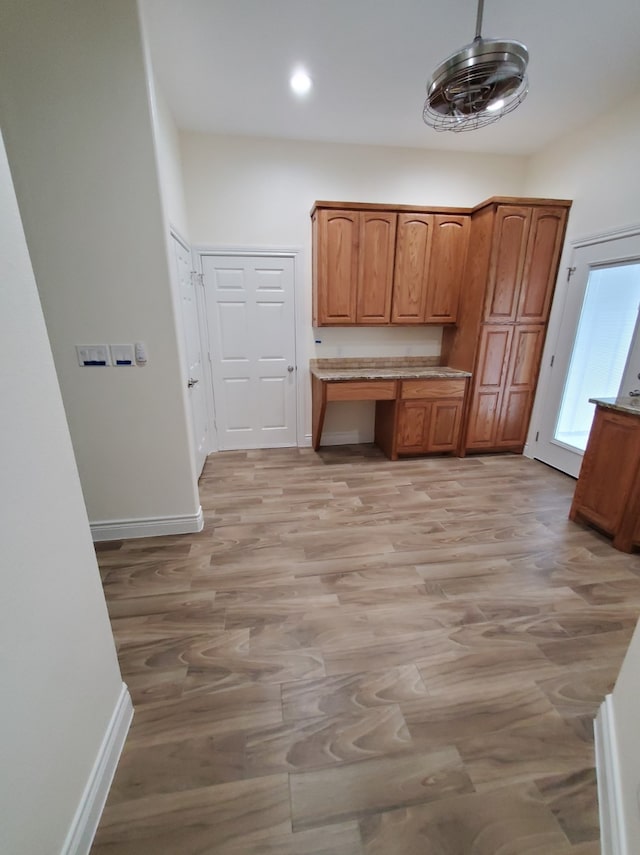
[511, 231]
[541, 263]
[609, 470]
[337, 266]
[444, 426]
[481, 430]
[413, 421]
[375, 268]
[413, 249]
[514, 418]
[522, 375]
[448, 255]
[489, 381]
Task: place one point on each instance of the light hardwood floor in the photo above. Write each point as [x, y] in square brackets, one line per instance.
[359, 657]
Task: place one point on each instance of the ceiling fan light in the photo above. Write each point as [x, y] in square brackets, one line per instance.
[478, 84]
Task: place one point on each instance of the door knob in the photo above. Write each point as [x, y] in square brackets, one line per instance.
[289, 368]
[192, 383]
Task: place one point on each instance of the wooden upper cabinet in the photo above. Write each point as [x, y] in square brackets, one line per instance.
[377, 238]
[448, 256]
[413, 253]
[546, 234]
[506, 267]
[336, 236]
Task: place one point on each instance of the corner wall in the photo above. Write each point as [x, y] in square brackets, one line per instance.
[248, 192]
[75, 106]
[60, 676]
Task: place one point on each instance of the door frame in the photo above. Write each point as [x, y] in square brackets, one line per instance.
[296, 254]
[174, 234]
[557, 315]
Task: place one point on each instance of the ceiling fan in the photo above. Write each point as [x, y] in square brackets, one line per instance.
[478, 84]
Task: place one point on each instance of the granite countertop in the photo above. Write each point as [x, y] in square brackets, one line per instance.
[389, 368]
[622, 405]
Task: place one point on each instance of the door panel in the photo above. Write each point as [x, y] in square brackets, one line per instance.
[375, 267]
[194, 351]
[514, 418]
[511, 231]
[413, 250]
[543, 251]
[413, 419]
[250, 310]
[337, 262]
[493, 355]
[448, 255]
[524, 362]
[444, 427]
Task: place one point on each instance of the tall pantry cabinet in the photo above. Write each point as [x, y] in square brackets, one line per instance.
[510, 275]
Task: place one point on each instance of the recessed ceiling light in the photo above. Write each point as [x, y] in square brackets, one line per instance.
[300, 82]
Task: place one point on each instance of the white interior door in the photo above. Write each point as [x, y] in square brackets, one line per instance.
[597, 354]
[194, 350]
[251, 319]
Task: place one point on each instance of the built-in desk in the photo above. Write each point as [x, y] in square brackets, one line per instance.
[419, 405]
[607, 494]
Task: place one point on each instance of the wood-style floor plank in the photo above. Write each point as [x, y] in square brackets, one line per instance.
[360, 657]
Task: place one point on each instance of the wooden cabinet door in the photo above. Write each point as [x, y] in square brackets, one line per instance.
[609, 470]
[413, 251]
[412, 426]
[444, 426]
[488, 385]
[446, 268]
[541, 264]
[510, 234]
[522, 375]
[337, 266]
[377, 241]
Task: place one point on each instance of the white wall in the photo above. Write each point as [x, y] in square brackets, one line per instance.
[170, 168]
[625, 707]
[60, 677]
[258, 192]
[75, 106]
[596, 167]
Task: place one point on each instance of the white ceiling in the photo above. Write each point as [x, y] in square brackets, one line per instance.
[224, 66]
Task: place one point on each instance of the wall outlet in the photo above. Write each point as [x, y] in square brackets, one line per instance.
[122, 354]
[92, 354]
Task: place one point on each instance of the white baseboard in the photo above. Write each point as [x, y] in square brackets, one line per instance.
[612, 823]
[87, 816]
[151, 527]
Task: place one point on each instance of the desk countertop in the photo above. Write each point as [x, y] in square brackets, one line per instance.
[392, 368]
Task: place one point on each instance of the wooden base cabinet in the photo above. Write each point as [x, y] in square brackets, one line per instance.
[607, 494]
[504, 386]
[426, 418]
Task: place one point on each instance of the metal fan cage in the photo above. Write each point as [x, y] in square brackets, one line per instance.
[478, 84]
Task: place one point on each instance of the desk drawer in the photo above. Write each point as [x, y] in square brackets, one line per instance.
[432, 390]
[362, 390]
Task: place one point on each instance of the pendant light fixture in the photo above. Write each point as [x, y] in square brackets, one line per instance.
[478, 84]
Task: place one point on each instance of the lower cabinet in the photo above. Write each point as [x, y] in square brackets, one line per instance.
[426, 418]
[504, 386]
[607, 494]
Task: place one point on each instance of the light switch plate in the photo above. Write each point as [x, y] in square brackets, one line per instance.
[92, 354]
[122, 354]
